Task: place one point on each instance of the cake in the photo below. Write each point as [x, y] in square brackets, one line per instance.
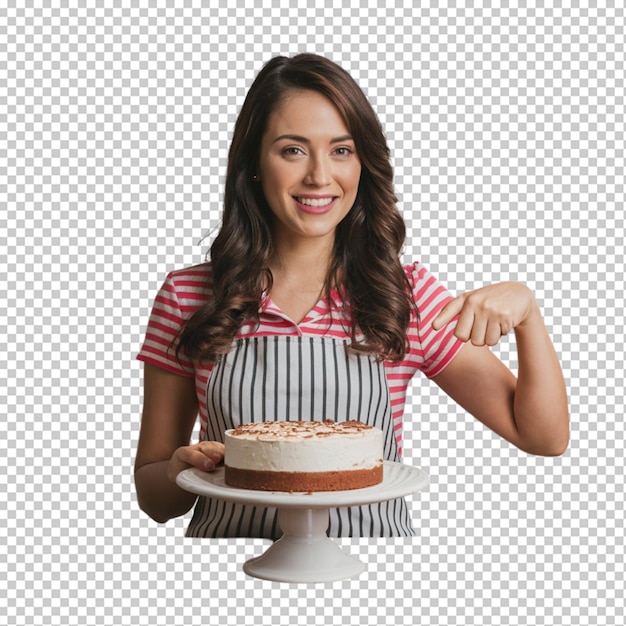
[303, 456]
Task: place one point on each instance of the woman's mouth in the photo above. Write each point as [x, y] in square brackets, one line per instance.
[316, 205]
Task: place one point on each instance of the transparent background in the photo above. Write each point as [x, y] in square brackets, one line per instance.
[506, 124]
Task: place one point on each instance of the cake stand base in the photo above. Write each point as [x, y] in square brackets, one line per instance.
[304, 554]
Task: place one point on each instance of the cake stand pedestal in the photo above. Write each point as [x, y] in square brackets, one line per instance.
[304, 554]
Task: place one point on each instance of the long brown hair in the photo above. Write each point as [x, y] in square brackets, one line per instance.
[365, 265]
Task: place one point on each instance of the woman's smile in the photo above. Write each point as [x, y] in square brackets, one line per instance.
[315, 205]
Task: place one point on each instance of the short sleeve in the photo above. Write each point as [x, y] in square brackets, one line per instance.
[179, 296]
[432, 350]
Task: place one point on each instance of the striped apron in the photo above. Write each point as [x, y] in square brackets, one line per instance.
[298, 378]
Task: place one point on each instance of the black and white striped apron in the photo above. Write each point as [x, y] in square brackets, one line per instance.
[298, 378]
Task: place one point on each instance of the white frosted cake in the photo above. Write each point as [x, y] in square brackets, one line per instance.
[303, 456]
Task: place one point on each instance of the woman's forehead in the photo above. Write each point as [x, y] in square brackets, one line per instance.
[307, 115]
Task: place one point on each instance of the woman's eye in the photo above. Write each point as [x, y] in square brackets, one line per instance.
[344, 151]
[292, 150]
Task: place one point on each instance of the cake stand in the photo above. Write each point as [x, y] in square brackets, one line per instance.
[304, 553]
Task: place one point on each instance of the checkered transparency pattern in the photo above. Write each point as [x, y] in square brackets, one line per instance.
[506, 125]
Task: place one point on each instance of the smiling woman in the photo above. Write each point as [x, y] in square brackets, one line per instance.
[304, 311]
[308, 172]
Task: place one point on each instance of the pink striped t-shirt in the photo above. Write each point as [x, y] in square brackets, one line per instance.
[184, 291]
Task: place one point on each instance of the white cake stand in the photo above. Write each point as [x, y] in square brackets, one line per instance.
[304, 554]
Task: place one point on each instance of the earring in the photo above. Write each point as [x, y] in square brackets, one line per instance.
[255, 177]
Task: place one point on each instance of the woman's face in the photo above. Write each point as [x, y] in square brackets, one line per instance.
[308, 167]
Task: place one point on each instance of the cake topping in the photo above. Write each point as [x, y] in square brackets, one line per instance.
[299, 429]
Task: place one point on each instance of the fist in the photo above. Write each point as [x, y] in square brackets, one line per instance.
[488, 313]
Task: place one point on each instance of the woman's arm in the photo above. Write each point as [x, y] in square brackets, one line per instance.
[531, 411]
[169, 413]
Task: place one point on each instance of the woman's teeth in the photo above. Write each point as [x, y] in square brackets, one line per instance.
[315, 201]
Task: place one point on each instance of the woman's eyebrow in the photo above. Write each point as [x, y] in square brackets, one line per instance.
[301, 139]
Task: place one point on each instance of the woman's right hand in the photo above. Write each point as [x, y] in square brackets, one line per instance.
[205, 455]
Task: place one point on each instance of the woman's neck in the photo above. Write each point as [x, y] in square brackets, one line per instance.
[305, 260]
[299, 275]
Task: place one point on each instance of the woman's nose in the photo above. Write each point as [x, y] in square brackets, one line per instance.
[319, 172]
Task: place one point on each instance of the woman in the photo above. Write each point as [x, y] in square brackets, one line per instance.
[304, 311]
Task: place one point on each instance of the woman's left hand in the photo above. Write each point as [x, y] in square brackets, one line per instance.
[488, 313]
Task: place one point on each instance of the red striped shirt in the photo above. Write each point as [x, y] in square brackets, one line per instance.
[184, 291]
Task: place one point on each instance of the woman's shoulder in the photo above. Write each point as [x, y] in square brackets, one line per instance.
[199, 273]
[190, 285]
[415, 271]
[424, 284]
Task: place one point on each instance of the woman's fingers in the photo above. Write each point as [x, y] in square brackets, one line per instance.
[212, 449]
[204, 455]
[488, 313]
[493, 334]
[449, 312]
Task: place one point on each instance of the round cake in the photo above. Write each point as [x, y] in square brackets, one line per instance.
[303, 456]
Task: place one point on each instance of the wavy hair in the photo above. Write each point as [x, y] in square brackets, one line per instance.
[365, 266]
